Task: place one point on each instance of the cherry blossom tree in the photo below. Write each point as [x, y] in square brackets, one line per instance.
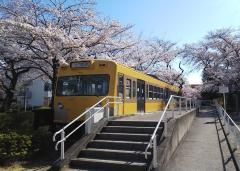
[218, 56]
[191, 92]
[155, 57]
[58, 31]
[12, 69]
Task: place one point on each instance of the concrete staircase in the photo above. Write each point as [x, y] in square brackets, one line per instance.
[119, 146]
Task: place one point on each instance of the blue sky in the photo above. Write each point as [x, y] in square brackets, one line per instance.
[181, 21]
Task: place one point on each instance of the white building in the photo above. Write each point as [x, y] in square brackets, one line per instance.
[35, 93]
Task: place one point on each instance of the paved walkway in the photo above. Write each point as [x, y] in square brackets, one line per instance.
[199, 150]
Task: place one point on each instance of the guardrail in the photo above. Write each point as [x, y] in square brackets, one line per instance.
[189, 104]
[232, 127]
[64, 137]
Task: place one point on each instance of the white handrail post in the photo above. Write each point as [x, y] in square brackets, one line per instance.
[118, 106]
[228, 125]
[62, 144]
[107, 109]
[172, 109]
[155, 152]
[180, 106]
[223, 115]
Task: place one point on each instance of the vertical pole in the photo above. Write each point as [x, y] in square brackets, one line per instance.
[62, 144]
[228, 124]
[172, 108]
[180, 105]
[224, 101]
[107, 110]
[118, 101]
[224, 117]
[155, 152]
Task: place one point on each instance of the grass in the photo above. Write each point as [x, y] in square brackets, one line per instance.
[23, 166]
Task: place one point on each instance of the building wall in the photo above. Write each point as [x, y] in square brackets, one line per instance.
[35, 94]
[37, 91]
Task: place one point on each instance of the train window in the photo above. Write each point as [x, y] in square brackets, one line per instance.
[147, 92]
[84, 85]
[161, 93]
[167, 93]
[150, 92]
[155, 93]
[134, 88]
[120, 85]
[128, 88]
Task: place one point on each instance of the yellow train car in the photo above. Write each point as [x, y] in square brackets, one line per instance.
[83, 83]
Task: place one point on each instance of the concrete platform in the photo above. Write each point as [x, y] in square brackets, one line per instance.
[152, 116]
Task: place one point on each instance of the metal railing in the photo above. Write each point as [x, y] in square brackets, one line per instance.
[231, 126]
[64, 137]
[189, 104]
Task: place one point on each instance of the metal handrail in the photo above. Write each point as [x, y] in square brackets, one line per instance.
[62, 131]
[152, 141]
[228, 117]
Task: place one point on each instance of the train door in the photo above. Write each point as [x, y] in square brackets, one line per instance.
[140, 96]
[120, 92]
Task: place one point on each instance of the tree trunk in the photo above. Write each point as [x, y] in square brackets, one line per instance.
[8, 100]
[54, 80]
[10, 93]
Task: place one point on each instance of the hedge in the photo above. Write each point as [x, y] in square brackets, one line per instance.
[14, 146]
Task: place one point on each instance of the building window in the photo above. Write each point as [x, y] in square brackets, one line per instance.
[134, 88]
[128, 88]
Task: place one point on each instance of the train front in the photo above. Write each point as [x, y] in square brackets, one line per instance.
[81, 85]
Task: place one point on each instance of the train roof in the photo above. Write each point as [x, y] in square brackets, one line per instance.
[123, 65]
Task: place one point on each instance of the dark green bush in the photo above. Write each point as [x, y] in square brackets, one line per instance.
[18, 122]
[14, 146]
[18, 140]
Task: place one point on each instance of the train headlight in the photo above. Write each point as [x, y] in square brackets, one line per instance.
[60, 106]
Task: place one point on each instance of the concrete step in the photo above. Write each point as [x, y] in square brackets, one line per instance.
[123, 136]
[118, 145]
[134, 156]
[130, 129]
[108, 165]
[133, 123]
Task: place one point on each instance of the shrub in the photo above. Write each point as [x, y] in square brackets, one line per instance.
[14, 146]
[17, 122]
